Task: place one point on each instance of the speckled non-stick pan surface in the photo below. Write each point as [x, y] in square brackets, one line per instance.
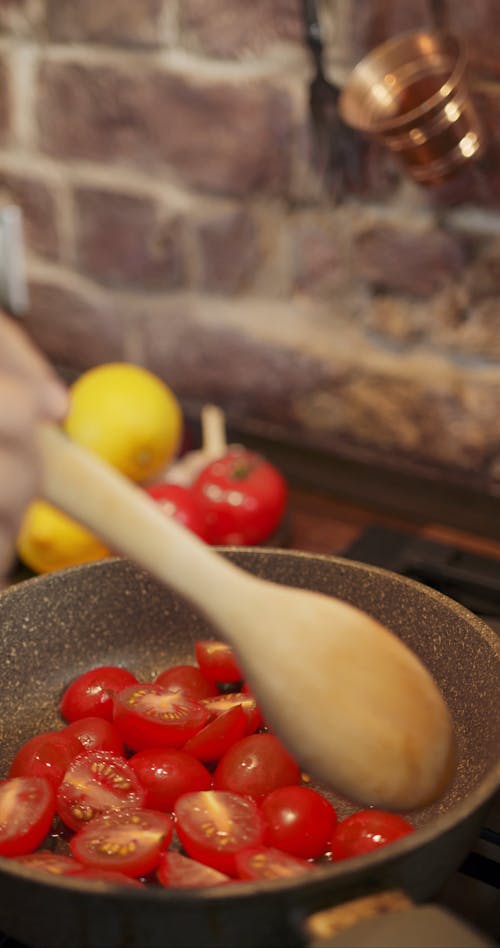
[52, 628]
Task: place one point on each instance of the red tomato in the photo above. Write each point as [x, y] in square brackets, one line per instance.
[179, 872]
[128, 841]
[256, 765]
[27, 808]
[214, 826]
[152, 716]
[95, 783]
[95, 734]
[92, 693]
[266, 862]
[53, 863]
[299, 820]
[242, 497]
[46, 755]
[217, 661]
[189, 680]
[104, 875]
[180, 503]
[222, 703]
[218, 735]
[366, 830]
[166, 773]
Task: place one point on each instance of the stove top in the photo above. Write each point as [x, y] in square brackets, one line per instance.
[474, 581]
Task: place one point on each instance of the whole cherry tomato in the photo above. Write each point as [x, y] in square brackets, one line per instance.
[300, 821]
[255, 765]
[167, 772]
[217, 661]
[91, 693]
[242, 497]
[46, 755]
[189, 679]
[179, 502]
[366, 830]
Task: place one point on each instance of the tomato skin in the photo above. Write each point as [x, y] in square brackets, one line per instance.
[106, 875]
[223, 702]
[176, 871]
[95, 734]
[213, 826]
[95, 783]
[365, 831]
[166, 773]
[148, 715]
[46, 755]
[267, 862]
[242, 497]
[27, 808]
[217, 661]
[179, 502]
[212, 742]
[128, 841]
[52, 863]
[188, 679]
[256, 765]
[92, 693]
[300, 821]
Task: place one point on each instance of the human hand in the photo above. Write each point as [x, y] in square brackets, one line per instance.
[30, 392]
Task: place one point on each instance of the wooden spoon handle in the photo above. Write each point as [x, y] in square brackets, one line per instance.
[124, 515]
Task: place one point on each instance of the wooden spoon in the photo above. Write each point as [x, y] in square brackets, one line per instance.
[347, 697]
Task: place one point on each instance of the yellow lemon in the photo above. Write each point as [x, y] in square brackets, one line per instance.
[126, 415]
[49, 540]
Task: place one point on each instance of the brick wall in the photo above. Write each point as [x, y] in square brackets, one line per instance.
[176, 216]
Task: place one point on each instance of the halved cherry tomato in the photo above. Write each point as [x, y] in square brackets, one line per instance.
[104, 875]
[46, 755]
[95, 783]
[152, 716]
[92, 692]
[217, 661]
[218, 735]
[242, 497]
[266, 862]
[213, 826]
[53, 863]
[128, 841]
[189, 680]
[179, 502]
[222, 703]
[27, 808]
[367, 830]
[299, 820]
[256, 765]
[95, 733]
[180, 872]
[165, 773]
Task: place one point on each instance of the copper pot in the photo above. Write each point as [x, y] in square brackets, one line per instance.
[411, 94]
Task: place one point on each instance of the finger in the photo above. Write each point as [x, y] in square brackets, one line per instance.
[19, 462]
[19, 357]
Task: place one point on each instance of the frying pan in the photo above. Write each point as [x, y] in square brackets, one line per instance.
[52, 628]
